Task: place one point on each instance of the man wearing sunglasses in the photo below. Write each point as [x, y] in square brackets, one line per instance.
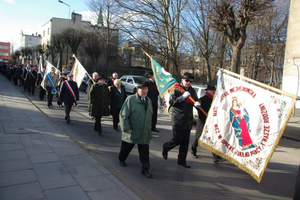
[181, 119]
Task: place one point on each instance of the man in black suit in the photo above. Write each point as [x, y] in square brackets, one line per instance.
[31, 80]
[153, 95]
[69, 94]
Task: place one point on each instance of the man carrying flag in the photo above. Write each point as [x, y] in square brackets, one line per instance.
[181, 119]
[50, 82]
[69, 94]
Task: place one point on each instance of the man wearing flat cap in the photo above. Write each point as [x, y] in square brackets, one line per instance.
[99, 102]
[135, 122]
[69, 94]
[181, 119]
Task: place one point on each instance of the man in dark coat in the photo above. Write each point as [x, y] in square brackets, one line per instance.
[42, 91]
[153, 95]
[31, 80]
[69, 94]
[181, 119]
[99, 102]
[95, 77]
[117, 98]
[205, 102]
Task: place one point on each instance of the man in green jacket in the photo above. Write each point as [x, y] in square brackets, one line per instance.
[135, 122]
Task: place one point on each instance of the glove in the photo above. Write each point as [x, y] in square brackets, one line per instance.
[186, 94]
[197, 103]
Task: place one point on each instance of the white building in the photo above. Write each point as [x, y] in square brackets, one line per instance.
[30, 40]
[56, 25]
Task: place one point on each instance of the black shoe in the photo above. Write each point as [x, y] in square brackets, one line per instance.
[155, 130]
[194, 152]
[219, 159]
[146, 173]
[68, 121]
[185, 165]
[122, 163]
[116, 129]
[165, 154]
[99, 133]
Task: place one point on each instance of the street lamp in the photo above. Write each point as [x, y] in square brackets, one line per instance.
[69, 24]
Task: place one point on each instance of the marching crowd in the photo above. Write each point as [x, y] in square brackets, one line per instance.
[135, 114]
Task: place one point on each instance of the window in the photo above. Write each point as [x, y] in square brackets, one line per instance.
[43, 33]
[4, 47]
[3, 54]
[48, 31]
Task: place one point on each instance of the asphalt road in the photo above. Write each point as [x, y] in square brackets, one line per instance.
[205, 180]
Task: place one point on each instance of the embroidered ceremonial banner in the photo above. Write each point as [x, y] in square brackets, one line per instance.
[245, 123]
[78, 72]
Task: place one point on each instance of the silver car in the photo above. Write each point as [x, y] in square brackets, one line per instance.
[130, 82]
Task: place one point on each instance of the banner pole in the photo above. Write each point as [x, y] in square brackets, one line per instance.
[261, 84]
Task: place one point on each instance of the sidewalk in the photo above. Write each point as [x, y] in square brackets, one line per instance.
[39, 161]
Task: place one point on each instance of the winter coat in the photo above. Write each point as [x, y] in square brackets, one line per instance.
[153, 94]
[55, 78]
[136, 117]
[116, 99]
[181, 110]
[99, 100]
[65, 95]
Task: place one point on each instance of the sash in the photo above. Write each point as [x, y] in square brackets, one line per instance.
[53, 91]
[70, 90]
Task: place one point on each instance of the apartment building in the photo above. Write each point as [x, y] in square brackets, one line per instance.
[4, 51]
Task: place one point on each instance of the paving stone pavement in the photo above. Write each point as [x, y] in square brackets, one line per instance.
[39, 161]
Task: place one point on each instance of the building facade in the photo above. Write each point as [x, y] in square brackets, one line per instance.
[4, 51]
[291, 71]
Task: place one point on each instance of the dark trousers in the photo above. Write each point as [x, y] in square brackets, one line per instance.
[98, 126]
[25, 85]
[42, 93]
[297, 186]
[68, 107]
[154, 118]
[143, 152]
[49, 95]
[116, 118]
[181, 138]
[198, 134]
[31, 88]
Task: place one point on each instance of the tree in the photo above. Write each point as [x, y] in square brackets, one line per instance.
[232, 17]
[160, 22]
[59, 43]
[107, 26]
[197, 22]
[92, 48]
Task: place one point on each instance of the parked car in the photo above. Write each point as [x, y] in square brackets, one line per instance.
[131, 81]
[200, 91]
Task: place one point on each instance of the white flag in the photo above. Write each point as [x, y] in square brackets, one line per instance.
[245, 123]
[78, 72]
[48, 70]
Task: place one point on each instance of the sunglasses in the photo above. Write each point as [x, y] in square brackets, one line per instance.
[186, 80]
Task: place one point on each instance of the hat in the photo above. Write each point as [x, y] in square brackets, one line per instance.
[69, 75]
[142, 84]
[210, 87]
[150, 74]
[102, 77]
[187, 75]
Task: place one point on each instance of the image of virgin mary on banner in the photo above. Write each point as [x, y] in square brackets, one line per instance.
[246, 121]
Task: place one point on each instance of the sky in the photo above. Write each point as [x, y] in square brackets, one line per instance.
[30, 15]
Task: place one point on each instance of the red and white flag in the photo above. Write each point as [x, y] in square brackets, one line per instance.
[245, 122]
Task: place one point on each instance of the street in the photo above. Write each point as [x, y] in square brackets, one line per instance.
[205, 180]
